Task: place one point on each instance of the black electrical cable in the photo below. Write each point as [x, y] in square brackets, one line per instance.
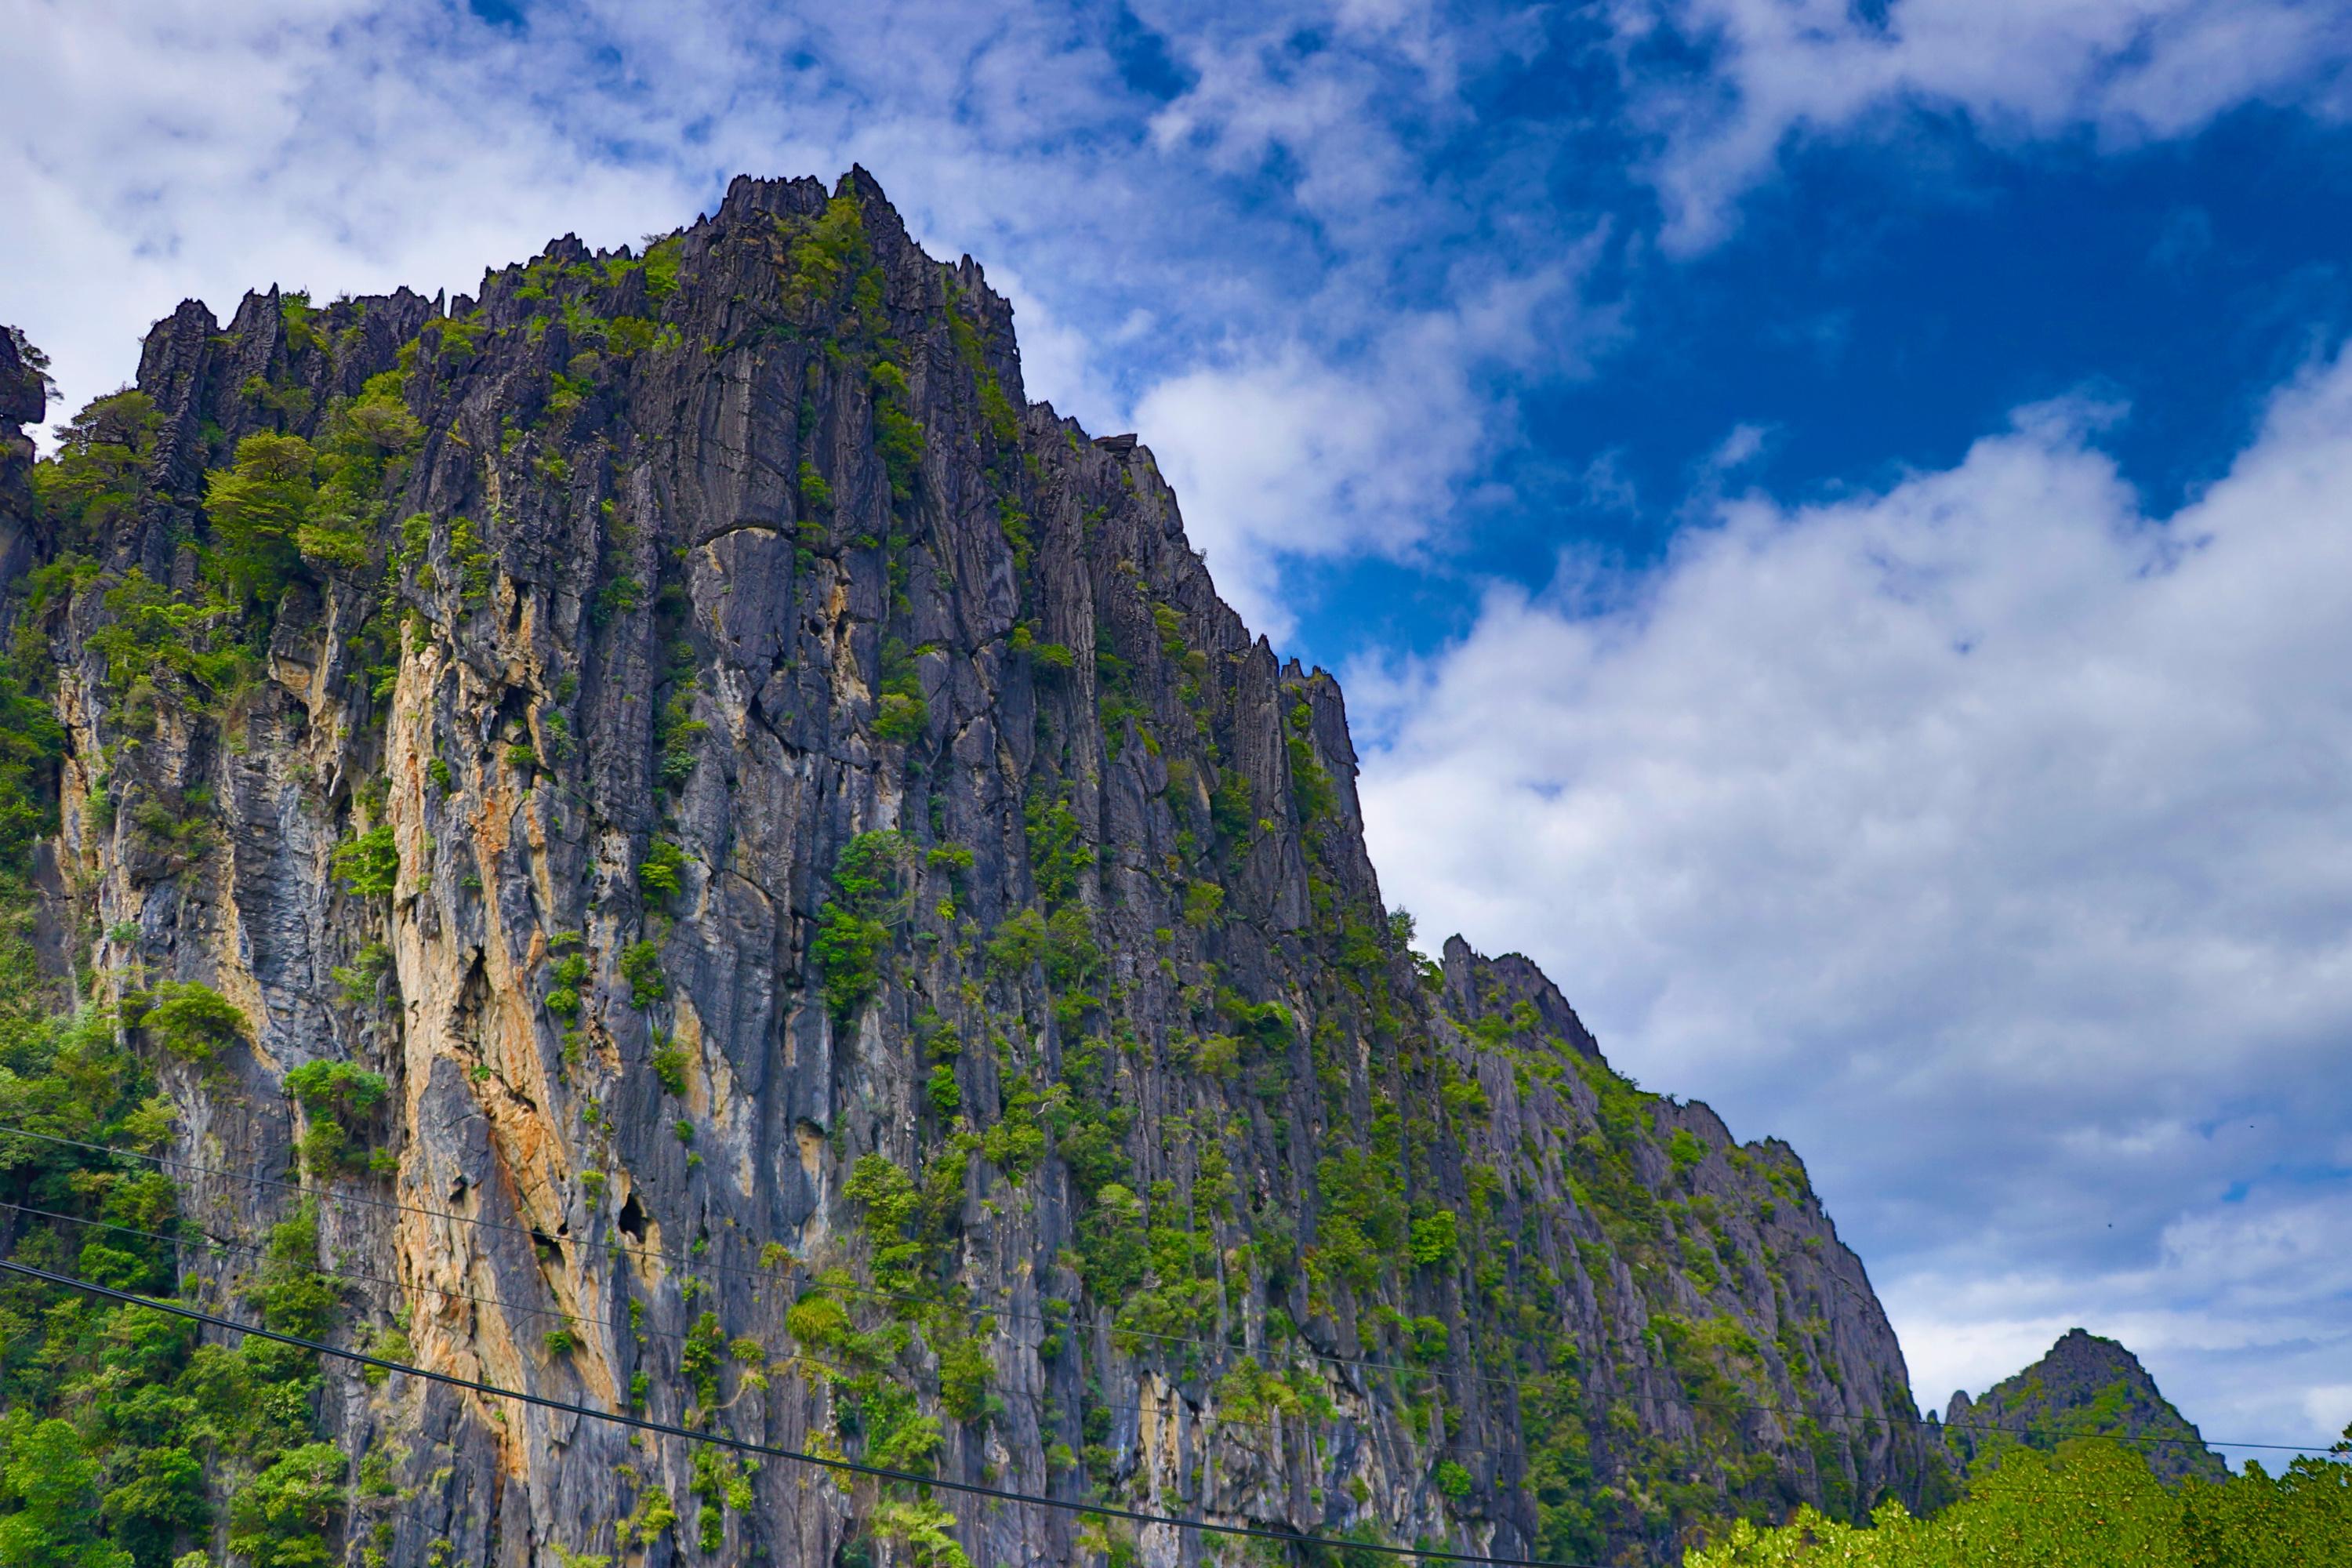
[205, 1238]
[770, 1451]
[773, 1276]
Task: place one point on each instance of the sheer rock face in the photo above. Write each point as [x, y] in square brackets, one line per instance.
[24, 398]
[2084, 1387]
[659, 565]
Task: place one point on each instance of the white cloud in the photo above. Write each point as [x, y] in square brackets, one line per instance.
[202, 152]
[1737, 450]
[1281, 454]
[1985, 838]
[2129, 71]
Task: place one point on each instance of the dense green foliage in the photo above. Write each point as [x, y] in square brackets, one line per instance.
[117, 1414]
[341, 1100]
[854, 926]
[2093, 1504]
[369, 863]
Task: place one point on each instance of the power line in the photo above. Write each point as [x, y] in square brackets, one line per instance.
[208, 1239]
[1141, 1412]
[692, 1266]
[770, 1451]
[1098, 1323]
[766, 1275]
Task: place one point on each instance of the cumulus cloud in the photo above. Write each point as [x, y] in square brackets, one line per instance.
[1280, 454]
[159, 153]
[2130, 71]
[1984, 836]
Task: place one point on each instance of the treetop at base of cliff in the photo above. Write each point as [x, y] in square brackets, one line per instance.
[2093, 1504]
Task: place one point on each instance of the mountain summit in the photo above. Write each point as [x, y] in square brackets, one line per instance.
[661, 837]
[2085, 1386]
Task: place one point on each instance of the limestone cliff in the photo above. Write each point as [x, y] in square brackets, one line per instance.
[751, 871]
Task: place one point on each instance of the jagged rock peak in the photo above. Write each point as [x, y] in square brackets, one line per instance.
[2083, 1387]
[1478, 985]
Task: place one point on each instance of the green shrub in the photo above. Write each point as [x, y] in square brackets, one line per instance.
[473, 561]
[358, 983]
[946, 1096]
[340, 1098]
[1060, 855]
[660, 875]
[1310, 787]
[827, 251]
[620, 597]
[818, 1321]
[898, 434]
[816, 494]
[1453, 1479]
[641, 967]
[1015, 1146]
[661, 266]
[1433, 1239]
[1232, 811]
[193, 1021]
[342, 549]
[900, 714]
[281, 1518]
[1019, 532]
[899, 719]
[368, 865]
[257, 506]
[856, 925]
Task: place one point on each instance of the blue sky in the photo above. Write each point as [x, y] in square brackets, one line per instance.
[1832, 517]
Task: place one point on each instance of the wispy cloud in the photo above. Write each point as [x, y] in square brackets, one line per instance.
[2127, 72]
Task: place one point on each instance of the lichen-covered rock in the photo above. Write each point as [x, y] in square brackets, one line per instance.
[862, 950]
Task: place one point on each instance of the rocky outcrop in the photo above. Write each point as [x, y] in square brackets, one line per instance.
[865, 952]
[24, 400]
[2085, 1386]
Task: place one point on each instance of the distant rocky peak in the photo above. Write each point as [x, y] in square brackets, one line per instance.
[2086, 1387]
